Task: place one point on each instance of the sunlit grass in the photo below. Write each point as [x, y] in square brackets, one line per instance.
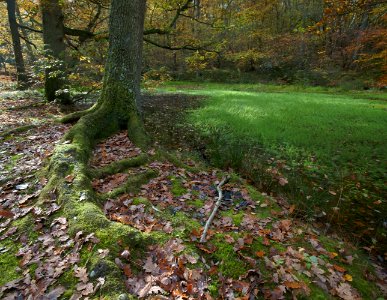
[332, 144]
[327, 125]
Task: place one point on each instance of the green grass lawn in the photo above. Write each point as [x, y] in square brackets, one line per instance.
[329, 145]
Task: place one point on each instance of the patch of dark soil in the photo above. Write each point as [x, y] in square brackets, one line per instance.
[164, 115]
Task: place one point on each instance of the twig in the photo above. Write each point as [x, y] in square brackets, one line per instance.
[217, 204]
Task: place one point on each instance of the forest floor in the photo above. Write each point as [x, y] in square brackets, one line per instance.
[254, 249]
[321, 148]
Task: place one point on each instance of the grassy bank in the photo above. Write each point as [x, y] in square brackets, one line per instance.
[322, 148]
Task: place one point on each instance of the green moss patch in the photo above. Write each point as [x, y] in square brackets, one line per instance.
[9, 263]
[177, 187]
[230, 263]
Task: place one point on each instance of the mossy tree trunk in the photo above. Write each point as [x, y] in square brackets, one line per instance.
[117, 108]
[22, 78]
[54, 46]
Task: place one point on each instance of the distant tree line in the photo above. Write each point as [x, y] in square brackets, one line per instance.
[312, 42]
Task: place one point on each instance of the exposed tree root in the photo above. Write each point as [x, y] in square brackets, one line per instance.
[75, 116]
[132, 185]
[80, 204]
[119, 166]
[16, 130]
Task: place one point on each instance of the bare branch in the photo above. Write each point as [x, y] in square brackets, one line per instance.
[29, 28]
[185, 47]
[216, 207]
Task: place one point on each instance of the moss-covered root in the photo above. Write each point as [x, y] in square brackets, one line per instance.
[120, 166]
[16, 130]
[79, 202]
[132, 185]
[75, 116]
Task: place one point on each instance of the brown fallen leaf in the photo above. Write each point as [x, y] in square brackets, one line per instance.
[81, 273]
[6, 213]
[69, 178]
[229, 239]
[292, 284]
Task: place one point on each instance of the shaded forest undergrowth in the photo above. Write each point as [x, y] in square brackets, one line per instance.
[254, 248]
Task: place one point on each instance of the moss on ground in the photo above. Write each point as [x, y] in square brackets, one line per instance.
[177, 187]
[230, 263]
[69, 282]
[132, 185]
[119, 166]
[140, 200]
[236, 216]
[9, 263]
[196, 203]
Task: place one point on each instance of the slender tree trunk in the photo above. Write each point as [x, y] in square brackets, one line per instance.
[22, 78]
[53, 37]
[30, 51]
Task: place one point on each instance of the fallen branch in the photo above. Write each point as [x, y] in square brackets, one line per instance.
[216, 207]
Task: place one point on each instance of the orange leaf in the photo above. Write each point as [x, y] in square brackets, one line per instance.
[248, 240]
[213, 270]
[260, 253]
[266, 241]
[339, 269]
[292, 285]
[332, 254]
[127, 271]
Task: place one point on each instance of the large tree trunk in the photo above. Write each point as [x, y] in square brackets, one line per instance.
[22, 78]
[116, 108]
[119, 104]
[53, 37]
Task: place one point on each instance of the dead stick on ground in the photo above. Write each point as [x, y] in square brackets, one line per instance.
[217, 204]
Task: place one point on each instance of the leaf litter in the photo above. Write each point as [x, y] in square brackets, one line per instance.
[173, 273]
[180, 268]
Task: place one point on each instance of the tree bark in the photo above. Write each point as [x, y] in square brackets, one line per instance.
[30, 51]
[116, 108]
[53, 37]
[120, 100]
[22, 78]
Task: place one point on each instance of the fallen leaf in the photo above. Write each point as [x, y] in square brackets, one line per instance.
[339, 269]
[6, 213]
[292, 284]
[69, 178]
[283, 181]
[151, 267]
[81, 273]
[347, 277]
[229, 239]
[127, 271]
[260, 253]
